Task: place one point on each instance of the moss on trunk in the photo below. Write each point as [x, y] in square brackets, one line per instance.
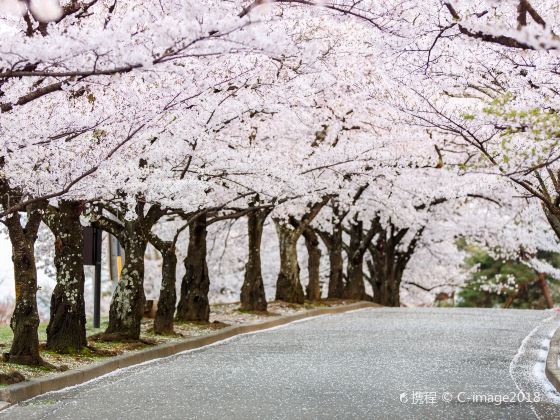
[25, 319]
[127, 306]
[66, 332]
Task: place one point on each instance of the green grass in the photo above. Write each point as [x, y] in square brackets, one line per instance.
[6, 335]
[99, 350]
[91, 331]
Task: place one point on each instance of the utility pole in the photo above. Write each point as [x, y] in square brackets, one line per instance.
[98, 239]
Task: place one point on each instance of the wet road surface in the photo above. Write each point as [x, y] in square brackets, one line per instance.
[375, 363]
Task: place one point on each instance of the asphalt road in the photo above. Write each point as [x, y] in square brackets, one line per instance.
[377, 363]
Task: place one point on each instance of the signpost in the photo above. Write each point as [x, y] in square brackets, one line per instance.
[92, 256]
[116, 259]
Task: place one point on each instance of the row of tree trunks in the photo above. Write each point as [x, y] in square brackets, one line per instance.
[334, 244]
[66, 332]
[252, 291]
[67, 326]
[193, 303]
[386, 283]
[288, 285]
[523, 289]
[359, 243]
[389, 258]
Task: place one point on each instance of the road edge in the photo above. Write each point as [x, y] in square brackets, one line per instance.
[551, 369]
[25, 390]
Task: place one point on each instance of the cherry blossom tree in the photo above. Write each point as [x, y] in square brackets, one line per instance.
[353, 122]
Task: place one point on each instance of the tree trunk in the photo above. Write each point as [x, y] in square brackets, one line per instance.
[163, 322]
[386, 271]
[66, 332]
[193, 304]
[127, 306]
[375, 279]
[546, 291]
[355, 288]
[252, 292]
[288, 286]
[313, 264]
[389, 260]
[511, 297]
[392, 286]
[25, 319]
[336, 273]
[553, 219]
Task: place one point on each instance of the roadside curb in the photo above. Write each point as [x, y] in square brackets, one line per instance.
[32, 388]
[551, 369]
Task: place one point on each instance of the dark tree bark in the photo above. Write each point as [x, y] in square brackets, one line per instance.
[25, 319]
[388, 262]
[313, 290]
[193, 303]
[252, 292]
[66, 332]
[355, 288]
[336, 272]
[163, 321]
[334, 244]
[127, 305]
[543, 284]
[288, 285]
[553, 216]
[359, 242]
[386, 280]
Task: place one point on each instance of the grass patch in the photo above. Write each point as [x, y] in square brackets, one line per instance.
[5, 334]
[103, 326]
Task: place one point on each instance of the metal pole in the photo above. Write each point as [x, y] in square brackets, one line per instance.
[97, 279]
